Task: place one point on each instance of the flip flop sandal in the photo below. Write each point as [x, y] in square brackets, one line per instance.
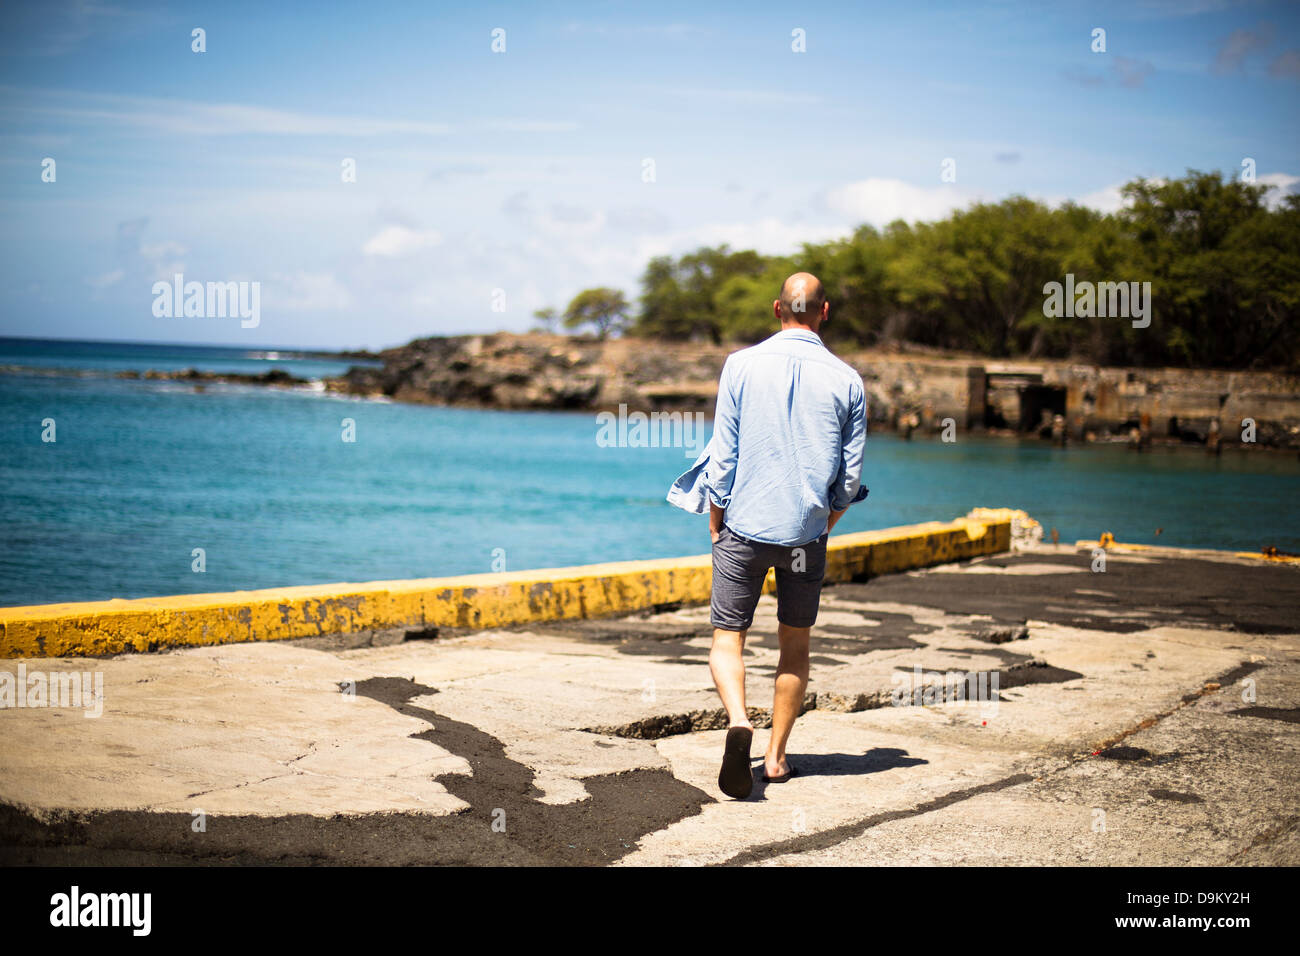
[791, 771]
[736, 779]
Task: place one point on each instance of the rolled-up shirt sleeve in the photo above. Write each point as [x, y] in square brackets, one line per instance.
[724, 446]
[847, 487]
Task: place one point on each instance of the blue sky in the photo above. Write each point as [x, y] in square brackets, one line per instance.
[522, 171]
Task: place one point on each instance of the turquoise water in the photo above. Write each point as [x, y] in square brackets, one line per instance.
[142, 473]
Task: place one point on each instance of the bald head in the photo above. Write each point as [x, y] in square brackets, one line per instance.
[802, 302]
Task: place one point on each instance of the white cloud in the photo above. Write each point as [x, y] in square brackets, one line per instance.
[1279, 187]
[308, 292]
[736, 96]
[770, 236]
[395, 241]
[569, 222]
[1107, 199]
[63, 27]
[192, 117]
[530, 126]
[559, 220]
[107, 279]
[881, 201]
[161, 250]
[1240, 44]
[139, 259]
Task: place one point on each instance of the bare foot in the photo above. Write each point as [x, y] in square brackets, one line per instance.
[775, 768]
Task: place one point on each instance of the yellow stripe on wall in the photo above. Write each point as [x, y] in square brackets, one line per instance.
[99, 628]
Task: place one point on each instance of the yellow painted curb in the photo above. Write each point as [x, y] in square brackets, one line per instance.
[101, 628]
[1110, 544]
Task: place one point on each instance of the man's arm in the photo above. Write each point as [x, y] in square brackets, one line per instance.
[835, 516]
[847, 487]
[724, 450]
[716, 515]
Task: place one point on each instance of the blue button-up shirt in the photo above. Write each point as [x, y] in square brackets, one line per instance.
[788, 439]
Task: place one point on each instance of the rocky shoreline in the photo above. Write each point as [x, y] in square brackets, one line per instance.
[509, 371]
[274, 377]
[909, 392]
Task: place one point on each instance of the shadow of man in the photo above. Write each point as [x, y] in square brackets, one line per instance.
[875, 760]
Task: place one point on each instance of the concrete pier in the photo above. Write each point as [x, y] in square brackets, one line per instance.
[1144, 713]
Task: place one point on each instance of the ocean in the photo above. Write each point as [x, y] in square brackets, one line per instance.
[148, 480]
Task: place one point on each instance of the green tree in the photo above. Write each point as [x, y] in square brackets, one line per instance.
[854, 276]
[678, 298]
[665, 308]
[606, 309]
[743, 303]
[976, 279]
[546, 319]
[1224, 271]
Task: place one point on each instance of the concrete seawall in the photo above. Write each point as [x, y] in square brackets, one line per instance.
[577, 372]
[102, 628]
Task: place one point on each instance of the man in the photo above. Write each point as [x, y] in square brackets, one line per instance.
[784, 464]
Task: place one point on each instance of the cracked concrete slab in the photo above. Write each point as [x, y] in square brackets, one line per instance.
[1193, 789]
[1143, 715]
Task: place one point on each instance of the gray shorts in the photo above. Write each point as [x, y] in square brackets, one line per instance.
[739, 568]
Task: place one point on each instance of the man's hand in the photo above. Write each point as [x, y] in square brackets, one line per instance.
[715, 521]
[835, 516]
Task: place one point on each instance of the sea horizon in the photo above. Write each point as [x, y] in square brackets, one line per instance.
[63, 340]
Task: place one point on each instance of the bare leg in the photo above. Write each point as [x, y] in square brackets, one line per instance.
[726, 662]
[791, 682]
